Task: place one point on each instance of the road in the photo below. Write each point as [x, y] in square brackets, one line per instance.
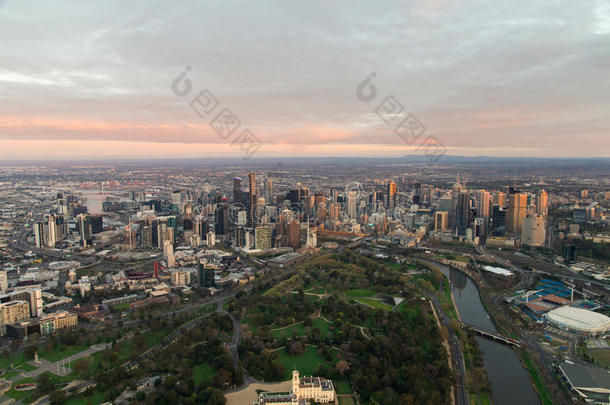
[461, 392]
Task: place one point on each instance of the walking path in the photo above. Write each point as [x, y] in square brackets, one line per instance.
[60, 367]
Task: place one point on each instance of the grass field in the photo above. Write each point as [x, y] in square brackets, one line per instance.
[602, 357]
[375, 304]
[301, 330]
[307, 363]
[360, 293]
[61, 353]
[480, 399]
[95, 399]
[202, 373]
[13, 393]
[346, 401]
[343, 387]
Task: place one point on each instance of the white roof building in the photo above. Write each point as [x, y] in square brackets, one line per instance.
[578, 320]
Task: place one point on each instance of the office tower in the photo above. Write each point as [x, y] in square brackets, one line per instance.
[222, 219]
[210, 239]
[483, 199]
[498, 221]
[417, 194]
[251, 216]
[38, 228]
[268, 190]
[517, 209]
[441, 220]
[479, 228]
[237, 192]
[533, 230]
[33, 298]
[391, 195]
[455, 196]
[97, 224]
[350, 203]
[85, 229]
[542, 203]
[11, 312]
[500, 199]
[262, 237]
[462, 212]
[294, 234]
[445, 204]
[206, 276]
[3, 281]
[569, 254]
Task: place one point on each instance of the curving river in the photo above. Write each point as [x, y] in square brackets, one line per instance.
[509, 380]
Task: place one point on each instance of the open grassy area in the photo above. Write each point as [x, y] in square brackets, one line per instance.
[343, 387]
[62, 352]
[96, 398]
[346, 401]
[360, 293]
[301, 330]
[307, 363]
[203, 373]
[5, 362]
[602, 357]
[13, 393]
[375, 304]
[543, 392]
[482, 398]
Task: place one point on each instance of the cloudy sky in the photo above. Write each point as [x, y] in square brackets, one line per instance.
[518, 78]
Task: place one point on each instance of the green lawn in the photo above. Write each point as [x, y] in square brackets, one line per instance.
[62, 352]
[307, 363]
[482, 398]
[343, 387]
[5, 362]
[301, 330]
[13, 393]
[360, 293]
[203, 373]
[346, 401]
[602, 357]
[95, 399]
[375, 304]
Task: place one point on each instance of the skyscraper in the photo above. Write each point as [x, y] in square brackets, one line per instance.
[351, 203]
[251, 218]
[237, 193]
[462, 212]
[391, 195]
[533, 232]
[517, 209]
[542, 203]
[268, 186]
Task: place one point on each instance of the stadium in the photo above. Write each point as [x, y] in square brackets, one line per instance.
[578, 320]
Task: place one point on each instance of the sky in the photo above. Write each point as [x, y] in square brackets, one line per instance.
[101, 79]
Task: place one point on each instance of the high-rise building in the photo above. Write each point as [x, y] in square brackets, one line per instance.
[350, 203]
[462, 211]
[251, 216]
[542, 203]
[533, 230]
[498, 221]
[500, 199]
[39, 237]
[417, 194]
[237, 192]
[517, 210]
[11, 312]
[391, 195]
[262, 237]
[294, 234]
[441, 220]
[85, 229]
[268, 190]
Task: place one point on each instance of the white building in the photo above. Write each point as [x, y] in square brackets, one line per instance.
[304, 390]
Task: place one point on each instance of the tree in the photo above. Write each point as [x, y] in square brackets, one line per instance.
[57, 397]
[81, 366]
[29, 351]
[297, 348]
[341, 367]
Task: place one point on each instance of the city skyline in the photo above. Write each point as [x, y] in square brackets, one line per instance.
[487, 80]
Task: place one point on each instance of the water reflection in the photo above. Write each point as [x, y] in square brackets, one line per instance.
[509, 380]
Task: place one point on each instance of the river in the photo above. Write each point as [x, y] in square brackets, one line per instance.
[510, 382]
